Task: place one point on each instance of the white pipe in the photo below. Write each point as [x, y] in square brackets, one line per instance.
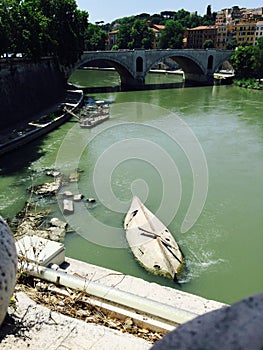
[127, 299]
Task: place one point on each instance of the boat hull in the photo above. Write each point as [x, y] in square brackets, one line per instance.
[151, 242]
[38, 130]
[87, 124]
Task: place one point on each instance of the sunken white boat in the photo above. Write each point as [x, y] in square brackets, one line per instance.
[151, 242]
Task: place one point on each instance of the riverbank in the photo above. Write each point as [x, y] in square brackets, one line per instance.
[255, 84]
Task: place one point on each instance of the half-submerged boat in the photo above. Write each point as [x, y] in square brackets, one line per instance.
[151, 242]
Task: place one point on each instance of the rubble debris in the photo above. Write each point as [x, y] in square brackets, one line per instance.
[68, 207]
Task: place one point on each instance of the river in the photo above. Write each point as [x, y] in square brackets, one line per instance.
[195, 155]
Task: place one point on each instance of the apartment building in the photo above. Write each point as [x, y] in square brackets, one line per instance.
[238, 25]
[259, 31]
[221, 38]
[245, 33]
[196, 37]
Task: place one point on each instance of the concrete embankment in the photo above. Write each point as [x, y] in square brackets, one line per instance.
[37, 321]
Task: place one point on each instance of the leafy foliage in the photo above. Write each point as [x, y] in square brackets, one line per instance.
[141, 35]
[137, 36]
[208, 44]
[172, 36]
[260, 43]
[42, 27]
[95, 38]
[247, 62]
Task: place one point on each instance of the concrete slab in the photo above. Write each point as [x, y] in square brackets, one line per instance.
[32, 326]
[137, 286]
[35, 327]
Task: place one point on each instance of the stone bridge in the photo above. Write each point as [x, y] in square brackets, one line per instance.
[133, 65]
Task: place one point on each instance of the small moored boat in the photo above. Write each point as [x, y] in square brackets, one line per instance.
[151, 242]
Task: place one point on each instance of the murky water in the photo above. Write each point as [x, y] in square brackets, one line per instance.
[169, 147]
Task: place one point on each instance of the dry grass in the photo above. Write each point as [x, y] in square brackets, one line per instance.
[77, 305]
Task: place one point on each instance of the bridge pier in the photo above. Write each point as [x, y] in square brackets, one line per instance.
[129, 83]
[198, 79]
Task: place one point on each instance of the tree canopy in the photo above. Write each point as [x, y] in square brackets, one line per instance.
[137, 36]
[247, 62]
[172, 36]
[42, 27]
[95, 38]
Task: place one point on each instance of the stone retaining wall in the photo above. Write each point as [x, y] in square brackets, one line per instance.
[27, 88]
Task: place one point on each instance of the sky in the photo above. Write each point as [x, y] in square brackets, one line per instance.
[109, 10]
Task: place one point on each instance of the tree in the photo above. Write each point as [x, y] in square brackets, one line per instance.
[208, 11]
[172, 35]
[232, 44]
[124, 36]
[258, 52]
[245, 63]
[135, 36]
[209, 17]
[208, 44]
[66, 28]
[41, 27]
[95, 38]
[141, 35]
[260, 43]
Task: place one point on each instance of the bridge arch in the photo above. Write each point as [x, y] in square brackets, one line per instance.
[188, 64]
[124, 73]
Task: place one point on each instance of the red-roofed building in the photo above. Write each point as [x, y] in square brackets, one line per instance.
[196, 37]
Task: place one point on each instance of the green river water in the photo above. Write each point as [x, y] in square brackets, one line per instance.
[194, 155]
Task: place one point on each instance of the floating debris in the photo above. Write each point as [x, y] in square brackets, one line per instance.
[53, 173]
[67, 194]
[91, 200]
[74, 177]
[48, 188]
[36, 223]
[78, 197]
[58, 223]
[68, 207]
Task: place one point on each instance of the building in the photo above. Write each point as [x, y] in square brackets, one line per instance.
[196, 37]
[252, 14]
[221, 39]
[235, 13]
[220, 18]
[259, 31]
[112, 39]
[245, 33]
